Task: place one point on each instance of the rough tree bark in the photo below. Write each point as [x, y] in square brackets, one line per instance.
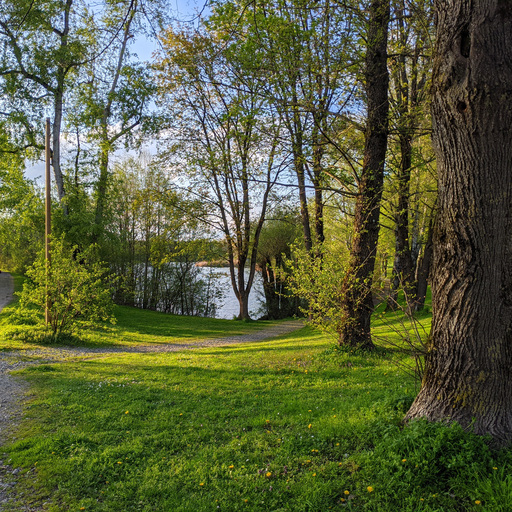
[357, 303]
[469, 362]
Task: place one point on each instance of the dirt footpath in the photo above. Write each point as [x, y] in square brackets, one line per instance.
[12, 393]
[6, 289]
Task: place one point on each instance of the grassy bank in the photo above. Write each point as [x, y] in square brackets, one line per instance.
[291, 424]
[133, 327]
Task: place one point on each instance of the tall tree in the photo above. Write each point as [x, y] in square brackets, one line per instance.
[227, 139]
[43, 47]
[410, 70]
[300, 67]
[115, 100]
[357, 300]
[469, 362]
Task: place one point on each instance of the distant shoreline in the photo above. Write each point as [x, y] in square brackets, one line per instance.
[217, 264]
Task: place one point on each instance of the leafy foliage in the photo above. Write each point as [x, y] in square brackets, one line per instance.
[322, 283]
[278, 235]
[73, 287]
[21, 217]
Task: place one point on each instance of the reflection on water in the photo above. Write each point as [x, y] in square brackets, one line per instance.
[230, 307]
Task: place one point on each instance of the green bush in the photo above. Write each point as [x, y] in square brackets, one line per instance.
[75, 288]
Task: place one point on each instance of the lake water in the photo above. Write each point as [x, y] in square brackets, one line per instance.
[230, 307]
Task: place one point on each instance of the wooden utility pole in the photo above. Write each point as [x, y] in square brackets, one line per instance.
[48, 213]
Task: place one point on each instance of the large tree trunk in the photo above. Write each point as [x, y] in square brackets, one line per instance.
[469, 363]
[357, 302]
[57, 125]
[61, 74]
[318, 143]
[101, 186]
[243, 302]
[298, 162]
[409, 81]
[403, 269]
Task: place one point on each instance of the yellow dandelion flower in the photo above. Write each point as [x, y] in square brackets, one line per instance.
[495, 468]
[231, 467]
[478, 502]
[309, 426]
[201, 484]
[343, 500]
[369, 488]
[404, 460]
[314, 474]
[119, 462]
[269, 474]
[127, 412]
[346, 492]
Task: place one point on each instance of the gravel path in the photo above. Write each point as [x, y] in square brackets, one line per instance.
[13, 391]
[6, 289]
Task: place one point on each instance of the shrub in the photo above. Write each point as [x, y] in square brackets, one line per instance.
[75, 288]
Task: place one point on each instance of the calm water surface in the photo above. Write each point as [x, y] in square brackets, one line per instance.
[230, 308]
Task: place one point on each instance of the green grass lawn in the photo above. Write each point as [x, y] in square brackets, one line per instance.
[134, 326]
[291, 424]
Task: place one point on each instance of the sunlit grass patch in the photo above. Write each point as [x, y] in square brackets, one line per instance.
[290, 424]
[134, 327]
[156, 428]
